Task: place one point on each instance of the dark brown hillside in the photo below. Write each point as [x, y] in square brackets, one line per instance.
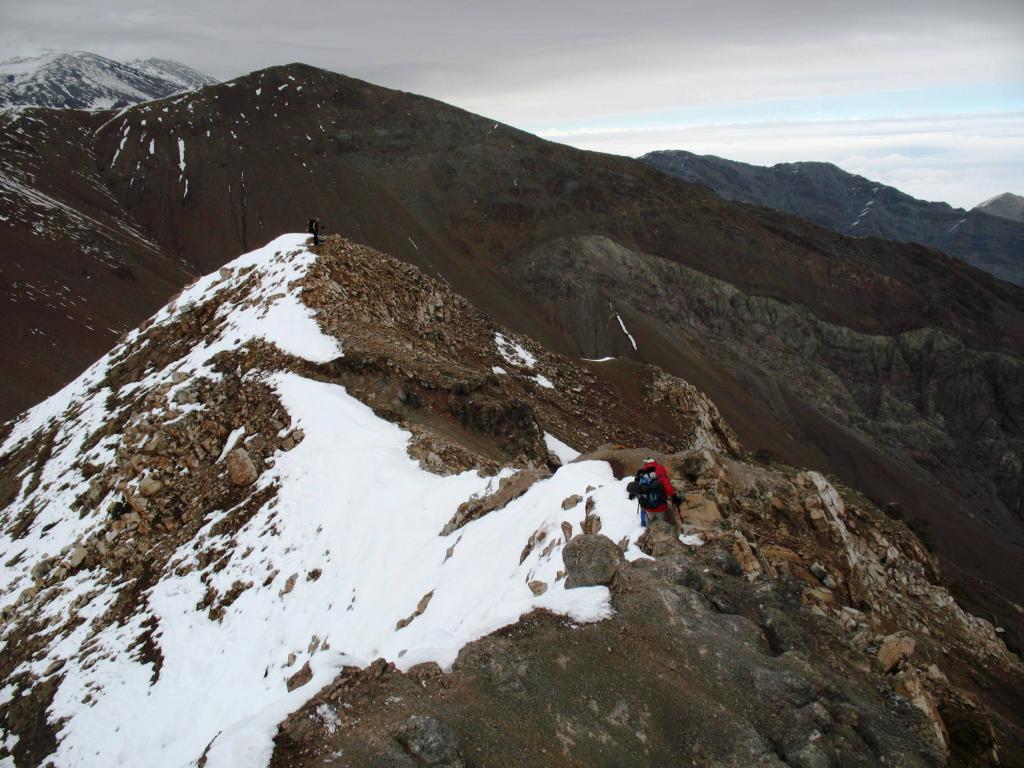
[389, 166]
[75, 271]
[891, 365]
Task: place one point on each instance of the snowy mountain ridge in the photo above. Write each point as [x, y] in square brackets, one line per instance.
[293, 564]
[320, 507]
[81, 80]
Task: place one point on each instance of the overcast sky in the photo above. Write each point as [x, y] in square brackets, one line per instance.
[927, 96]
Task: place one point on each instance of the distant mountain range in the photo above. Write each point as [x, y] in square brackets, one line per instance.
[1006, 206]
[78, 80]
[989, 237]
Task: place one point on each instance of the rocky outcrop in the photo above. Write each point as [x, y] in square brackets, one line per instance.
[740, 642]
[919, 416]
[509, 488]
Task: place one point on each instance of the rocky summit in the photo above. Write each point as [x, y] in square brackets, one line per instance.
[321, 510]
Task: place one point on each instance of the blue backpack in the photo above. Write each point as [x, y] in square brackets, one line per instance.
[649, 490]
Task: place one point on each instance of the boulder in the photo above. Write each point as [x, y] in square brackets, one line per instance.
[538, 587]
[894, 649]
[591, 525]
[150, 486]
[591, 561]
[241, 470]
[658, 539]
[700, 511]
[430, 742]
[566, 530]
[77, 556]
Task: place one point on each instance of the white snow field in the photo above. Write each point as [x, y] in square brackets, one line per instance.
[350, 503]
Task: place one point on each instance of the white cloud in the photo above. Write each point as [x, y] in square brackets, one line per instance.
[962, 159]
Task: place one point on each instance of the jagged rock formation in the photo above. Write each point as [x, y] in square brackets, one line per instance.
[488, 209]
[853, 205]
[79, 80]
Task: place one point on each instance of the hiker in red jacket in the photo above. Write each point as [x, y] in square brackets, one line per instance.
[653, 490]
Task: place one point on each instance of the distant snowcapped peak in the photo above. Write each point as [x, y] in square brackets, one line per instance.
[82, 80]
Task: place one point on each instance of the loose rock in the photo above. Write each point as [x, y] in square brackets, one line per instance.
[431, 742]
[241, 470]
[591, 561]
[894, 649]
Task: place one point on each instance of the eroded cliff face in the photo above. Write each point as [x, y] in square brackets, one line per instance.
[944, 415]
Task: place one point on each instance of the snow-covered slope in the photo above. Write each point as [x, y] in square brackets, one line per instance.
[304, 534]
[79, 80]
[185, 78]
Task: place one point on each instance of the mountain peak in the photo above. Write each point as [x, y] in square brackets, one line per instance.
[83, 80]
[1005, 206]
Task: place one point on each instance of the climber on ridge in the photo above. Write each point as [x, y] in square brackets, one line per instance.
[653, 490]
[313, 227]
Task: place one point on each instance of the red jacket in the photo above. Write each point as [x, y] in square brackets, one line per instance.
[662, 474]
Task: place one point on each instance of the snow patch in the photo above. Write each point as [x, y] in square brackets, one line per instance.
[629, 336]
[229, 444]
[565, 453]
[543, 381]
[513, 352]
